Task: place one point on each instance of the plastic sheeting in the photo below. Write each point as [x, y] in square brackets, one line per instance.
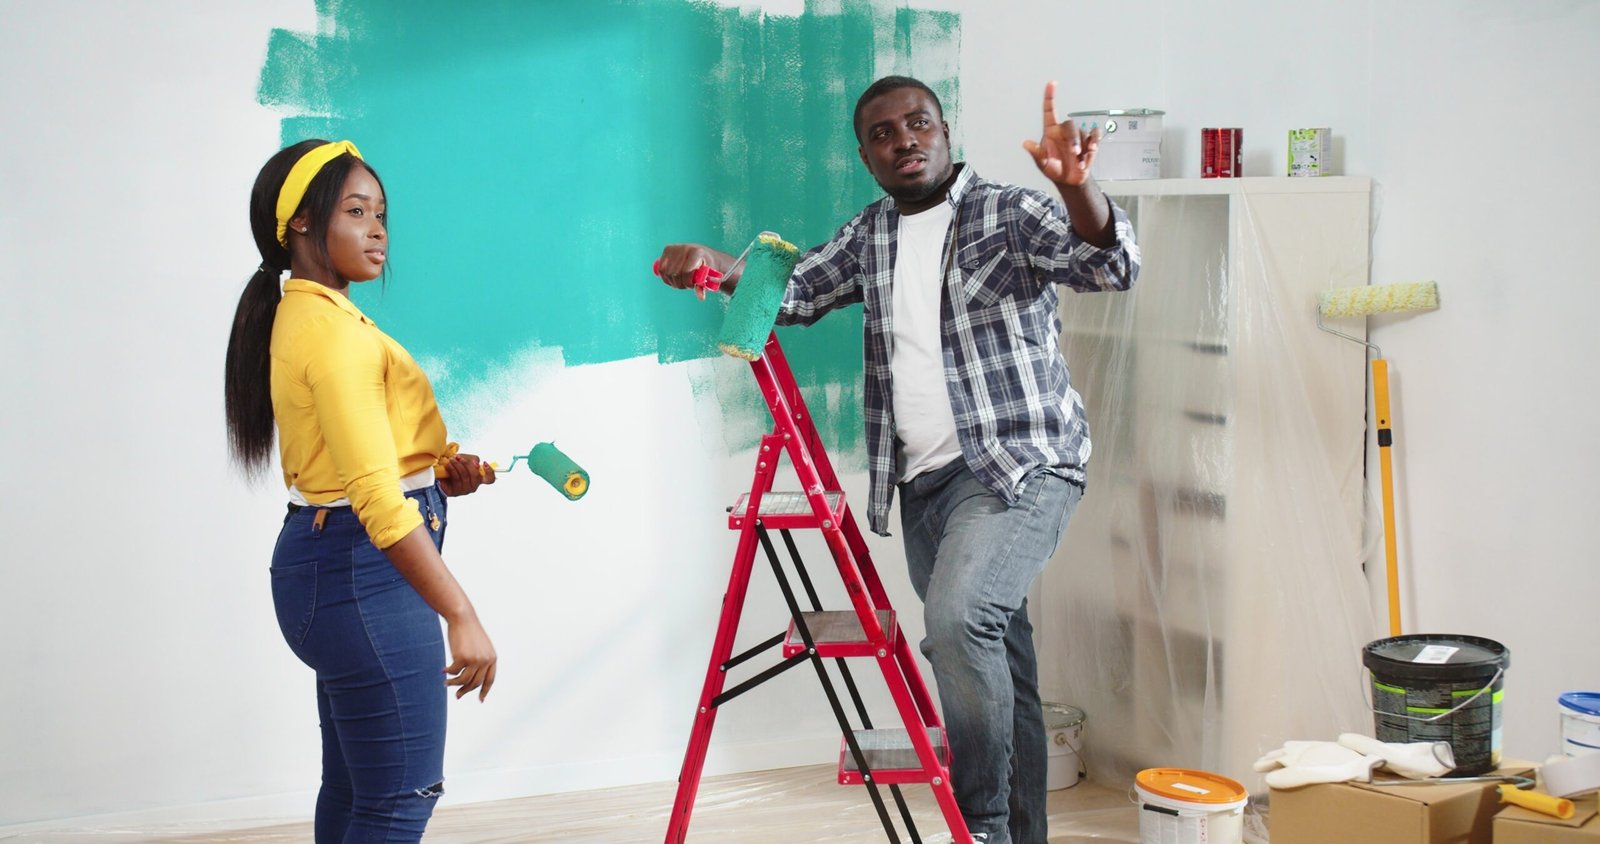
[1208, 601]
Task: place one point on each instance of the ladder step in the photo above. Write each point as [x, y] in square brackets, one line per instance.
[838, 633]
[787, 510]
[890, 756]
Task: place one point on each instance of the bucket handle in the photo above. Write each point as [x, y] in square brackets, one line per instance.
[1499, 672]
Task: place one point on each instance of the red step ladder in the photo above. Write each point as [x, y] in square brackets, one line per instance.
[916, 751]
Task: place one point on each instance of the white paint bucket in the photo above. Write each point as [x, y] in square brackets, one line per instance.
[1580, 723]
[1180, 806]
[1063, 732]
[1130, 142]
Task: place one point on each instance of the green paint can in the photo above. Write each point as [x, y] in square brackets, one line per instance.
[1441, 688]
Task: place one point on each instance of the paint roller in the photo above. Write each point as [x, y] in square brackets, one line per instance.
[754, 307]
[769, 261]
[1513, 789]
[1558, 807]
[1361, 302]
[548, 462]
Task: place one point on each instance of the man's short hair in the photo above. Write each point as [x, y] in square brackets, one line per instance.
[884, 86]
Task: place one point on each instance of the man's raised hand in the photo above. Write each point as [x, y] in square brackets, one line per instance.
[1064, 152]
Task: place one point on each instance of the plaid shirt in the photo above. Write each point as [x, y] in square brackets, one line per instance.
[1015, 409]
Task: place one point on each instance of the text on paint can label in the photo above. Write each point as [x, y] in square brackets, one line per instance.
[1435, 654]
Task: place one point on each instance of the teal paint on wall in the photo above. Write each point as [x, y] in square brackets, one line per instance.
[538, 155]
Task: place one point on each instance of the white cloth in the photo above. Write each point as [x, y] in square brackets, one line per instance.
[1300, 763]
[1352, 759]
[421, 479]
[1416, 760]
[923, 419]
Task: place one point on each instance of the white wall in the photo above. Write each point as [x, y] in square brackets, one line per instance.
[145, 668]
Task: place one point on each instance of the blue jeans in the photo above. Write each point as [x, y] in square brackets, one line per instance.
[972, 560]
[379, 656]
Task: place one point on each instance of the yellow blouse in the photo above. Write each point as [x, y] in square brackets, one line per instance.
[355, 413]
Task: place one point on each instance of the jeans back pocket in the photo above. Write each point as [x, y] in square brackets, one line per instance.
[294, 598]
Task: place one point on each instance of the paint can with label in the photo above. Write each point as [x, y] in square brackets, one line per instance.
[1221, 153]
[1130, 142]
[1440, 688]
[1580, 723]
[1309, 150]
[1180, 806]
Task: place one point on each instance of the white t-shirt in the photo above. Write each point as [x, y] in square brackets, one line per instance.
[923, 420]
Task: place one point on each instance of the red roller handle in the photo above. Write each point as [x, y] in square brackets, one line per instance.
[705, 278]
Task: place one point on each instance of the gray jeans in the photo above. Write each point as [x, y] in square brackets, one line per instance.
[972, 560]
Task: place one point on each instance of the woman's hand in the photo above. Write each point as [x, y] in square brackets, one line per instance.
[464, 474]
[474, 658]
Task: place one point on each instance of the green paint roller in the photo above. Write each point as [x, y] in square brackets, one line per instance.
[559, 470]
[756, 298]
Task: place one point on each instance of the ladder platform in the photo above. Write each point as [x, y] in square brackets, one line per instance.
[890, 756]
[787, 510]
[838, 633]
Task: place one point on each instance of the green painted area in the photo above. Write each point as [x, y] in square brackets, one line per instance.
[537, 155]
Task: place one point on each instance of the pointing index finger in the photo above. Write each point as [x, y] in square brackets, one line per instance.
[1049, 104]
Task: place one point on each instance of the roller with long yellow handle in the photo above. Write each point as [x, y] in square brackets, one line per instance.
[1362, 301]
[1391, 554]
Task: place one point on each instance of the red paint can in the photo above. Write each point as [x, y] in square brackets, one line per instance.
[1221, 153]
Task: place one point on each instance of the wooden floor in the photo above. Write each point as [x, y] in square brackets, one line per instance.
[768, 807]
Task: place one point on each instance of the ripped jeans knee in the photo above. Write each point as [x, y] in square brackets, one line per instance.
[431, 791]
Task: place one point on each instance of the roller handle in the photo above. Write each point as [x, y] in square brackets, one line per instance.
[1380, 400]
[1557, 807]
[483, 470]
[705, 278]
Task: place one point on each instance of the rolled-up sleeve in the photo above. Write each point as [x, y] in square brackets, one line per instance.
[1061, 256]
[827, 277]
[346, 377]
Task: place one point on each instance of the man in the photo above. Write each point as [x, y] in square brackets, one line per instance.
[970, 412]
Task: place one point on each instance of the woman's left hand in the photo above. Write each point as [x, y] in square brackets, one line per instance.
[464, 474]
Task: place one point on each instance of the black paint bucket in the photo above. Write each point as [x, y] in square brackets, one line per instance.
[1440, 688]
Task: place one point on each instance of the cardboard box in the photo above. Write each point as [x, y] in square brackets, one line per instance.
[1360, 813]
[1516, 825]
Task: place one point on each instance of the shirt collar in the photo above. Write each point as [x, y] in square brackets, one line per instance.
[958, 189]
[300, 285]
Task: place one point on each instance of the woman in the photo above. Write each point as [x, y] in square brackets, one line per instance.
[357, 578]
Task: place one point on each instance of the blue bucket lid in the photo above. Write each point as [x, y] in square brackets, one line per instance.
[1585, 703]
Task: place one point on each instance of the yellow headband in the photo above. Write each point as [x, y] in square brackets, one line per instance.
[300, 176]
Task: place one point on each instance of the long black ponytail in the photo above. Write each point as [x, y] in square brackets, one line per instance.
[247, 390]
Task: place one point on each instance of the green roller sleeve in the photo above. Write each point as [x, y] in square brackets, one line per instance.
[755, 302]
[567, 477]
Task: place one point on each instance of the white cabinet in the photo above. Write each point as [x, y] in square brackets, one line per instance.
[1208, 602]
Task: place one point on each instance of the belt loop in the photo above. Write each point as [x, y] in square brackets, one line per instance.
[320, 519]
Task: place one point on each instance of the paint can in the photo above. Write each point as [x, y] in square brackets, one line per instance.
[1440, 688]
[1221, 153]
[1130, 142]
[1180, 806]
[1580, 723]
[1309, 150]
[1063, 732]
